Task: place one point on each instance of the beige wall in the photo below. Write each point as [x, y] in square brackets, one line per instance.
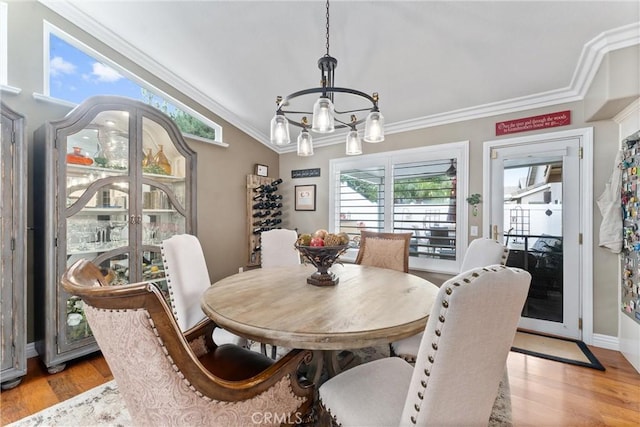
[477, 132]
[222, 172]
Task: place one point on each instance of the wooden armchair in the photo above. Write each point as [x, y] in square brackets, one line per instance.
[384, 250]
[167, 378]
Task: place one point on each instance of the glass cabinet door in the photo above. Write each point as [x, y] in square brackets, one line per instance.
[163, 196]
[97, 212]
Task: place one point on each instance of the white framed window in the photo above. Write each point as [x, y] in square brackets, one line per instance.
[416, 190]
[73, 72]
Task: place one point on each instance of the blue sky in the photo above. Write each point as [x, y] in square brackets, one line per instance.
[74, 76]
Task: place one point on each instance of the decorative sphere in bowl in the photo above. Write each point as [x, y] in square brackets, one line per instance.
[322, 258]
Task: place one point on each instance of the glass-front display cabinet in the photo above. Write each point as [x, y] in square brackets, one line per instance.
[117, 179]
[13, 229]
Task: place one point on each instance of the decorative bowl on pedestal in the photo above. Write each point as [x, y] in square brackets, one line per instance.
[322, 258]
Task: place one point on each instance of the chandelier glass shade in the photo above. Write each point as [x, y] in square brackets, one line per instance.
[280, 130]
[354, 144]
[359, 108]
[305, 143]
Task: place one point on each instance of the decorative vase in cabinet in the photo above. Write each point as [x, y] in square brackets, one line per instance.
[13, 267]
[100, 211]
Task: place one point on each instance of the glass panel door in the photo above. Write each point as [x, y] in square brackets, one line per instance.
[535, 201]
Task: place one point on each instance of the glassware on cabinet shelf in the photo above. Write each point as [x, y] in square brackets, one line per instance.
[118, 231]
[100, 158]
[161, 160]
[78, 157]
[147, 160]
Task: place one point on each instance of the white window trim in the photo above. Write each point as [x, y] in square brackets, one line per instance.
[458, 150]
[49, 28]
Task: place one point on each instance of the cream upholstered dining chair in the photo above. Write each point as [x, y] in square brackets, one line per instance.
[480, 253]
[483, 252]
[169, 378]
[460, 363]
[187, 278]
[384, 250]
[277, 250]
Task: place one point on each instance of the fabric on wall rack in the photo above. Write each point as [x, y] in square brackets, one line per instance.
[609, 205]
[630, 199]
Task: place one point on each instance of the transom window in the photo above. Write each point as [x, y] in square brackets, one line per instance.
[418, 191]
[75, 72]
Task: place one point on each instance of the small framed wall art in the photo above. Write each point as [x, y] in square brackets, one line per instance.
[262, 170]
[305, 197]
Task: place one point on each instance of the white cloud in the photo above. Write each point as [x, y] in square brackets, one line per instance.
[102, 73]
[58, 66]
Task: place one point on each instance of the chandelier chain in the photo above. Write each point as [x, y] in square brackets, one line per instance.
[327, 26]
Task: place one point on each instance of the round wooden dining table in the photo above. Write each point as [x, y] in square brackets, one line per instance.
[369, 306]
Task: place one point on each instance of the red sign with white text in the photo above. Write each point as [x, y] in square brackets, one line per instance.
[551, 120]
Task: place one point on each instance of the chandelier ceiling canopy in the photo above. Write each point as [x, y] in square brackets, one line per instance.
[326, 117]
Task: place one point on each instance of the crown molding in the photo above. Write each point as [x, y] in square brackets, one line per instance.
[590, 59]
[588, 63]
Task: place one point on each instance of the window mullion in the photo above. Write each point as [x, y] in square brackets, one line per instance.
[388, 196]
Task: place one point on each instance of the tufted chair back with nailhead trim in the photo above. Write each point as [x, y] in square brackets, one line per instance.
[187, 277]
[464, 347]
[483, 252]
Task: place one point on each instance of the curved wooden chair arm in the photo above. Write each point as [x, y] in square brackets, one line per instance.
[202, 329]
[85, 280]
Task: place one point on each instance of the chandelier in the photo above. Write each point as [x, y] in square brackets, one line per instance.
[325, 117]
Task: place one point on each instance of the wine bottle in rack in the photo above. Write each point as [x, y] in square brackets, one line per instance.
[261, 214]
[276, 182]
[259, 197]
[277, 213]
[274, 197]
[260, 188]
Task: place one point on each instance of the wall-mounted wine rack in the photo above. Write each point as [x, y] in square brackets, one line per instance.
[264, 212]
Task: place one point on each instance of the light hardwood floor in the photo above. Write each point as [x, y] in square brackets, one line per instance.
[543, 393]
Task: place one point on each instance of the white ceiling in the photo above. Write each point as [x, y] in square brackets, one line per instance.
[432, 62]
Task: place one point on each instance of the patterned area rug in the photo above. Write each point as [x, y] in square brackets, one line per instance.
[103, 406]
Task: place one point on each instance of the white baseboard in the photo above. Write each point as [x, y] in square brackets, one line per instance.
[605, 341]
